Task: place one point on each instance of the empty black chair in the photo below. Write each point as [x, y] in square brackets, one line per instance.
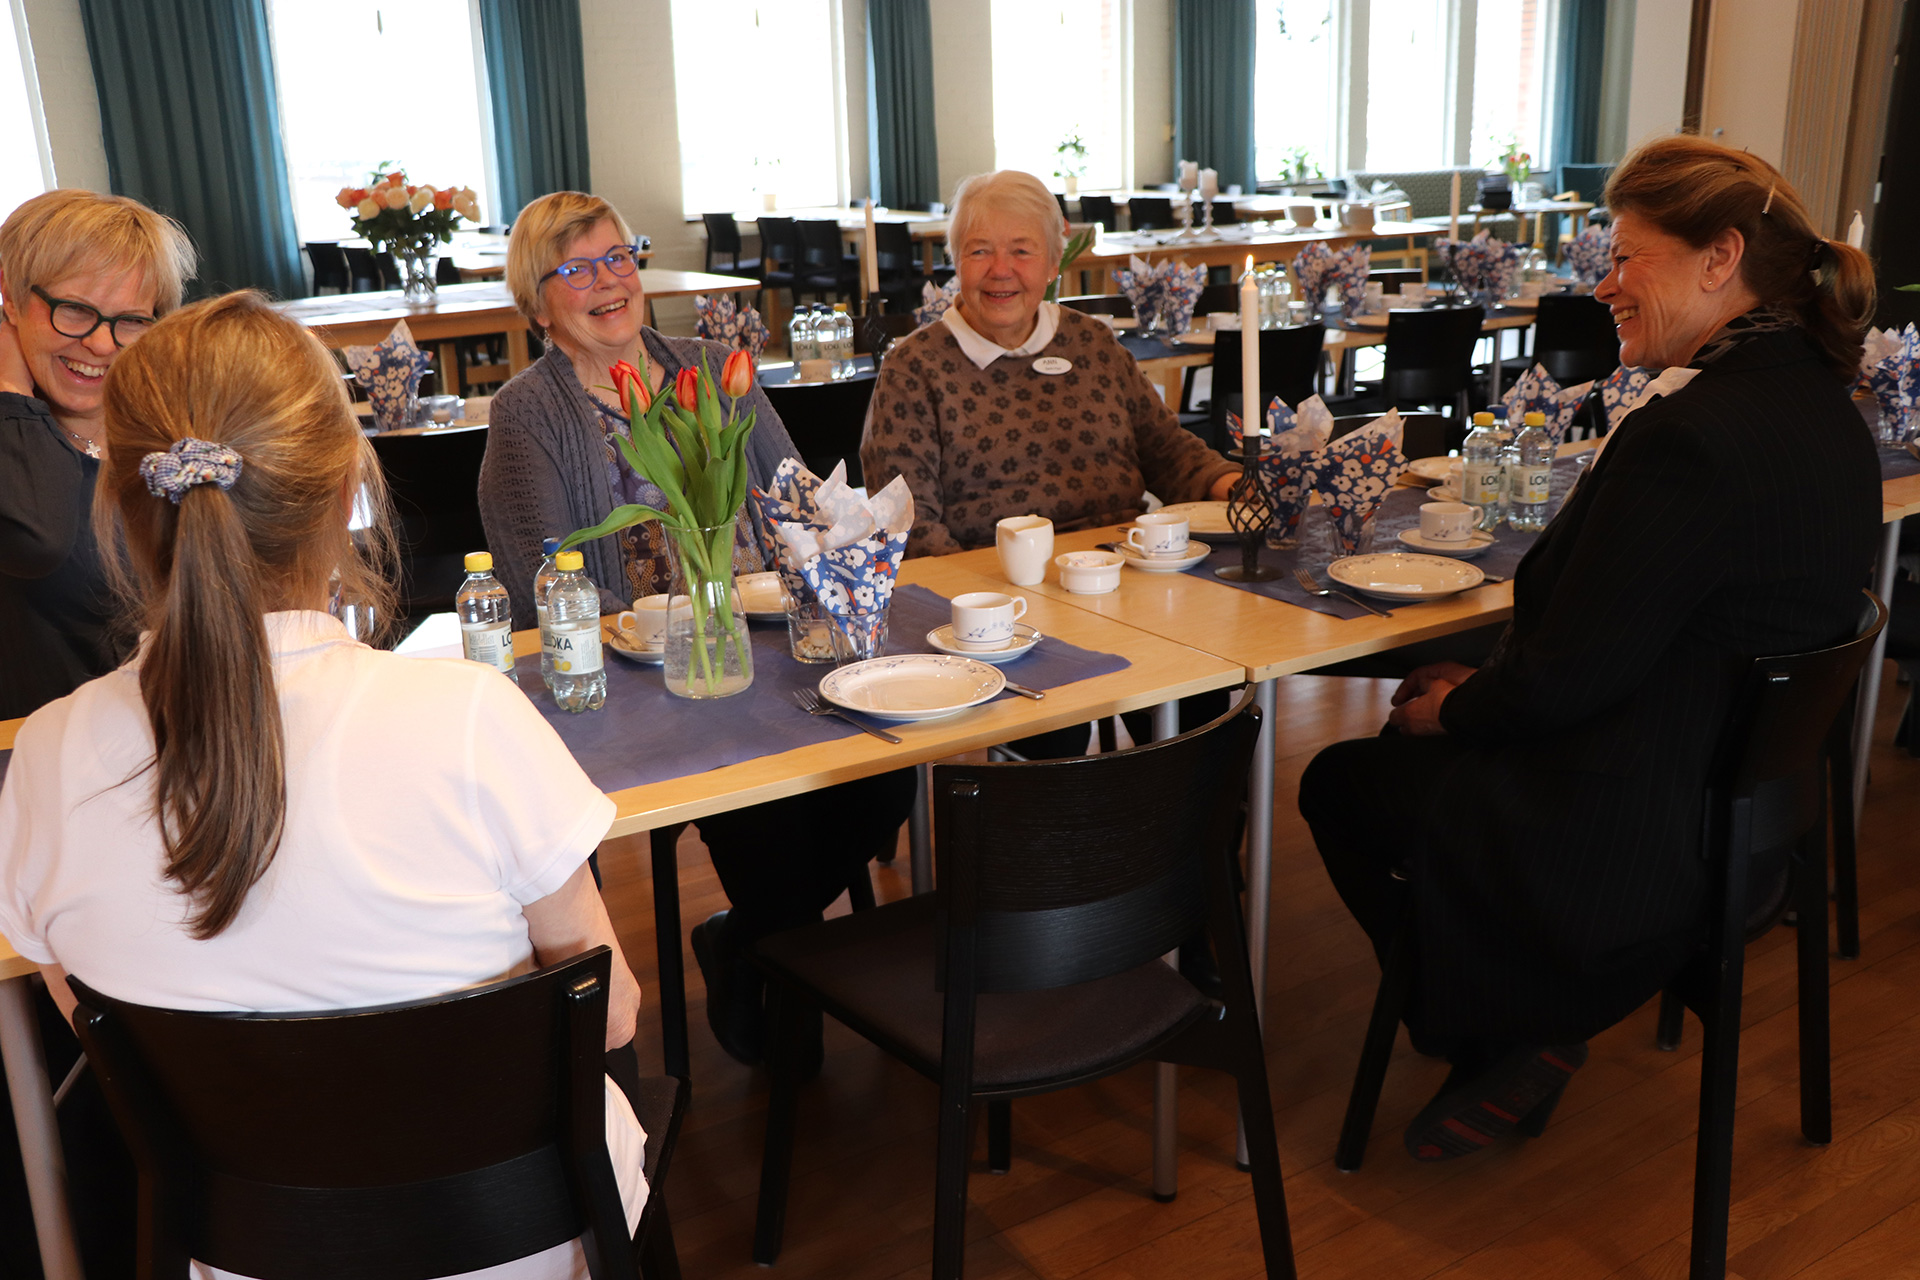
[780, 255]
[1574, 338]
[1766, 796]
[1391, 278]
[825, 420]
[363, 270]
[1424, 435]
[1289, 364]
[1148, 213]
[898, 264]
[1035, 965]
[1062, 202]
[1223, 213]
[329, 267]
[434, 481]
[1099, 209]
[1589, 181]
[409, 1140]
[825, 266]
[1100, 304]
[444, 272]
[1429, 357]
[723, 237]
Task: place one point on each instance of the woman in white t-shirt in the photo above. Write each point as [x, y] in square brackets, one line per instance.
[323, 825]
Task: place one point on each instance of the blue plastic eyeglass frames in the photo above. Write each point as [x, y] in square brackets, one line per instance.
[580, 273]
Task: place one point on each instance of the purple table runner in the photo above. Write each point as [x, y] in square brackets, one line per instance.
[644, 734]
[1897, 461]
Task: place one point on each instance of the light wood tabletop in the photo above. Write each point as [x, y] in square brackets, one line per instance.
[12, 963]
[1900, 498]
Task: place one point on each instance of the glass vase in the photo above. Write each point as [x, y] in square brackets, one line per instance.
[416, 274]
[708, 651]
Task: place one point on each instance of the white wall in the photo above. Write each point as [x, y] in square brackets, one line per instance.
[962, 88]
[1658, 81]
[1152, 92]
[66, 91]
[1743, 102]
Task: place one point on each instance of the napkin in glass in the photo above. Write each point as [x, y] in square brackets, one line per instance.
[1627, 389]
[1535, 391]
[934, 301]
[391, 372]
[1318, 268]
[1482, 266]
[835, 546]
[1894, 381]
[1590, 254]
[1296, 435]
[1163, 294]
[722, 319]
[1353, 475]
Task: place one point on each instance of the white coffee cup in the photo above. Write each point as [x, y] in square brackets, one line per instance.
[1219, 320]
[1026, 544]
[1158, 534]
[1448, 521]
[1413, 293]
[984, 619]
[645, 625]
[816, 370]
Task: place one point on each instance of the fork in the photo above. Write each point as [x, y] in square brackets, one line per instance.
[1312, 588]
[812, 703]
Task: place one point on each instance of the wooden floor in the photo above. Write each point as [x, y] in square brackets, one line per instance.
[1605, 1192]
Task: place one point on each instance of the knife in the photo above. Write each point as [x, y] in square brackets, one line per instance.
[1025, 692]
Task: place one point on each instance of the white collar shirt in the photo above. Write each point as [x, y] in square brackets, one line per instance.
[984, 351]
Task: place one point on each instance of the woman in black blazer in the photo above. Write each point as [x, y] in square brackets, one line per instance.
[1544, 810]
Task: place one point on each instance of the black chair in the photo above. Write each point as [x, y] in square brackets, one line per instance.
[1217, 297]
[363, 270]
[1424, 435]
[1767, 795]
[1149, 213]
[444, 272]
[1100, 304]
[1429, 357]
[1391, 278]
[417, 1139]
[1589, 180]
[1223, 213]
[329, 267]
[893, 324]
[897, 264]
[1099, 209]
[825, 266]
[434, 481]
[723, 236]
[1035, 965]
[1574, 338]
[780, 243]
[826, 421]
[1062, 202]
[1289, 363]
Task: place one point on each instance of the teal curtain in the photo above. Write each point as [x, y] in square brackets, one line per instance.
[191, 122]
[1213, 87]
[1580, 59]
[537, 81]
[903, 158]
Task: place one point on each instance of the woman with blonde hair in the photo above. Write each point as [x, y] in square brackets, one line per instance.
[82, 276]
[1733, 518]
[257, 812]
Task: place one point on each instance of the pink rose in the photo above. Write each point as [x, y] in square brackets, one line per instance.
[368, 208]
[396, 197]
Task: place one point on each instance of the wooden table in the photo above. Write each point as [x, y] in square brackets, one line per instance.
[1539, 211]
[1114, 250]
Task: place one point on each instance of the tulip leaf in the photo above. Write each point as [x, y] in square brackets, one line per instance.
[619, 518]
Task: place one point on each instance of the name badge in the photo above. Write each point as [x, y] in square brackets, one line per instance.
[1052, 365]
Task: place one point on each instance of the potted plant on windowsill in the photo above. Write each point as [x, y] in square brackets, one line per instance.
[1072, 162]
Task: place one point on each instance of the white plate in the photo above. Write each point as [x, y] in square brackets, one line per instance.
[1394, 575]
[912, 686]
[1196, 552]
[1432, 470]
[1477, 542]
[763, 596]
[1024, 638]
[1198, 337]
[1443, 493]
[644, 657]
[1202, 517]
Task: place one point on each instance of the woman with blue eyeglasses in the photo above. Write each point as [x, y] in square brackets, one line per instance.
[552, 467]
[82, 276]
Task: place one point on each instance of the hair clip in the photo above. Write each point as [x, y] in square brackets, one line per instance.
[1768, 206]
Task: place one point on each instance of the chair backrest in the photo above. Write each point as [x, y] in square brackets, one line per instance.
[363, 269]
[408, 1140]
[1391, 278]
[1099, 304]
[1223, 213]
[1064, 871]
[1588, 180]
[1099, 209]
[820, 242]
[434, 481]
[893, 244]
[1217, 297]
[1146, 213]
[329, 266]
[1289, 362]
[723, 233]
[778, 241]
[1429, 355]
[1062, 202]
[825, 421]
[445, 272]
[1574, 338]
[1424, 435]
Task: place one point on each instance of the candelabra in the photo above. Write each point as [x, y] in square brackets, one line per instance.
[1250, 511]
[873, 329]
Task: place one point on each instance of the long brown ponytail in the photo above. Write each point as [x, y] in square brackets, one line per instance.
[202, 573]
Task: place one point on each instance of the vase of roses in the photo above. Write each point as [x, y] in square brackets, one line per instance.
[679, 440]
[409, 221]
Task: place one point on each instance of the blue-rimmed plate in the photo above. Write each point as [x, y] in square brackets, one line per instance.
[911, 686]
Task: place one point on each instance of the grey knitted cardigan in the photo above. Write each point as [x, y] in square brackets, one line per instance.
[545, 471]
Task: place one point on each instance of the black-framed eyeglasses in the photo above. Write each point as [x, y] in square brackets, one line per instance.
[78, 320]
[580, 273]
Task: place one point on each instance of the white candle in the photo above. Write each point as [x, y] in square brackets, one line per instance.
[872, 256]
[1453, 209]
[1209, 183]
[1857, 231]
[1189, 174]
[1252, 417]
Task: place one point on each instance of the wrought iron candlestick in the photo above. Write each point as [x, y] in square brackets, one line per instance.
[872, 329]
[1250, 512]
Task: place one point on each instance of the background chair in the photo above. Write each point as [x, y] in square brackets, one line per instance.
[363, 270]
[1574, 338]
[1223, 213]
[1767, 795]
[898, 265]
[723, 237]
[1429, 358]
[1289, 364]
[1391, 278]
[780, 256]
[825, 266]
[1586, 181]
[1099, 209]
[1424, 435]
[373, 1142]
[330, 272]
[1061, 884]
[434, 481]
[826, 421]
[1148, 213]
[1100, 304]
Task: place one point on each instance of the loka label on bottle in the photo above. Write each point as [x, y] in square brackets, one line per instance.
[488, 642]
[1480, 483]
[1531, 484]
[574, 648]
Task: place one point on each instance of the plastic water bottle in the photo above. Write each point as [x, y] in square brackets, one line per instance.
[1480, 471]
[1503, 432]
[571, 643]
[543, 579]
[1531, 476]
[801, 343]
[486, 616]
[842, 333]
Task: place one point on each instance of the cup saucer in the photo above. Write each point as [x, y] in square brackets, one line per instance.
[623, 645]
[1024, 638]
[1476, 542]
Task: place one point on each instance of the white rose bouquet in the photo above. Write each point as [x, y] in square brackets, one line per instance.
[391, 212]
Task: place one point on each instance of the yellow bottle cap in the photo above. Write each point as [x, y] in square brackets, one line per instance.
[1483, 419]
[1536, 419]
[839, 306]
[568, 561]
[479, 562]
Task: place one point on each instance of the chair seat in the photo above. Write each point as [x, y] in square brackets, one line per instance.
[874, 971]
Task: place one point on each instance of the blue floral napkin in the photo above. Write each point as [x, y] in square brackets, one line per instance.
[844, 549]
[721, 319]
[1627, 389]
[1296, 436]
[1535, 391]
[934, 301]
[1483, 266]
[1163, 293]
[1354, 474]
[1318, 268]
[391, 373]
[1590, 253]
[1894, 380]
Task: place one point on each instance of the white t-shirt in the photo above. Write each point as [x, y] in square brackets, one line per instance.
[427, 801]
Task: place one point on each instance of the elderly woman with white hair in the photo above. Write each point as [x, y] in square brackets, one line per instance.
[1012, 404]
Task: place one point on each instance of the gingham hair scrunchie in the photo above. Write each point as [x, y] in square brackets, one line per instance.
[188, 463]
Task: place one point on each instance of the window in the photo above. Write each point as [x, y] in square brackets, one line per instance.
[1059, 72]
[774, 130]
[1294, 90]
[353, 98]
[23, 173]
[1406, 86]
[1509, 62]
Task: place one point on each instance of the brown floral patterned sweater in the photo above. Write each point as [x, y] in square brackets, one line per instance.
[978, 445]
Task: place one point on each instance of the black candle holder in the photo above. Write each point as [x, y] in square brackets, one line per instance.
[1250, 511]
[873, 329]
